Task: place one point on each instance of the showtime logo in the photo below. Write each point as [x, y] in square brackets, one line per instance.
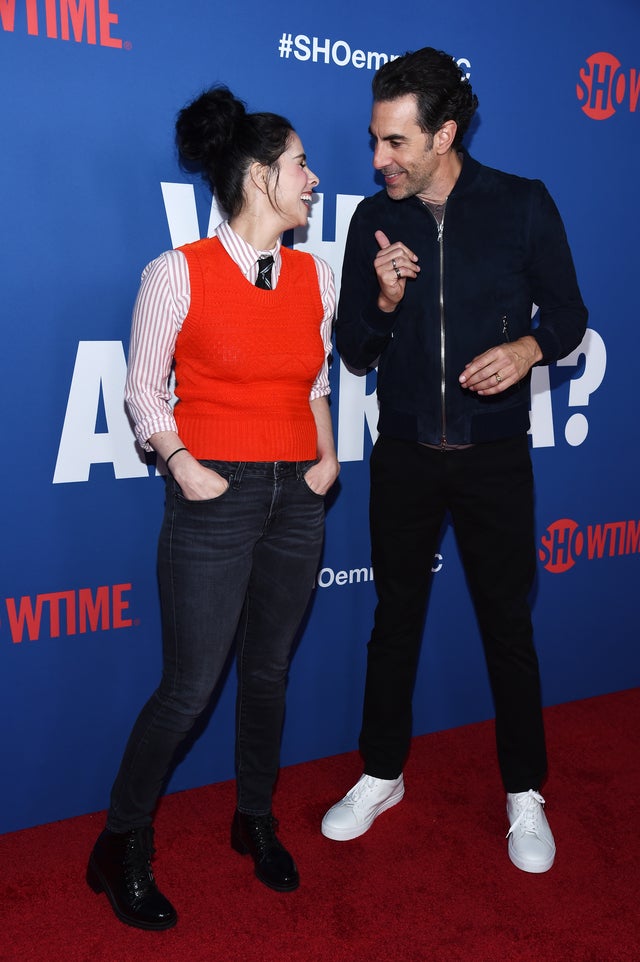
[68, 612]
[604, 86]
[565, 541]
[90, 21]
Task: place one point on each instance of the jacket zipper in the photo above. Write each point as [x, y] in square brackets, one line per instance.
[443, 388]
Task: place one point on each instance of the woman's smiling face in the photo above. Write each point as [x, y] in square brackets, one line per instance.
[295, 182]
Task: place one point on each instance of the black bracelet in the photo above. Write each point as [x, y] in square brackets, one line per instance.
[171, 455]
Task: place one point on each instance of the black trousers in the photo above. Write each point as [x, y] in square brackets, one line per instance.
[488, 491]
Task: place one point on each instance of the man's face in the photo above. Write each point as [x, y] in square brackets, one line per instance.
[402, 152]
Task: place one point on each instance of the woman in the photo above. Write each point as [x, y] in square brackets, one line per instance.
[250, 455]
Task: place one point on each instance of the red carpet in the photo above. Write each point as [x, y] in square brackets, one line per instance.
[431, 881]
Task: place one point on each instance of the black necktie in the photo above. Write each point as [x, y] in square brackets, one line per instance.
[264, 272]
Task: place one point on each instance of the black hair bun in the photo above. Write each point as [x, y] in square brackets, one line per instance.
[206, 127]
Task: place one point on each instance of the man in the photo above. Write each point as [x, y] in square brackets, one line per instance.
[440, 273]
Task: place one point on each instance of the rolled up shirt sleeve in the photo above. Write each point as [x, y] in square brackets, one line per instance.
[327, 286]
[160, 308]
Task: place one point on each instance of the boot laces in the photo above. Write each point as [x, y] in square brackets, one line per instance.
[137, 862]
[264, 827]
[528, 819]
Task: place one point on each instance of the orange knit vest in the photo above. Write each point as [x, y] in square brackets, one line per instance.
[246, 359]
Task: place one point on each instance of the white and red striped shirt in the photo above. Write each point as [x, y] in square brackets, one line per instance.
[160, 309]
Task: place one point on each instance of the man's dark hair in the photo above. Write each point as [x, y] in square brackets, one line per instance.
[441, 90]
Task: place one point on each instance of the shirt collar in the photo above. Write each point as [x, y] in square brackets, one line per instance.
[244, 254]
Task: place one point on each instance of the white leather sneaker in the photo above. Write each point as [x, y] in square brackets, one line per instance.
[355, 813]
[531, 844]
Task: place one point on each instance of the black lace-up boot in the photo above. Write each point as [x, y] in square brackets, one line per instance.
[120, 866]
[255, 835]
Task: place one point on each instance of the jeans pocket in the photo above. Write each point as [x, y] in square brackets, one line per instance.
[179, 495]
[306, 484]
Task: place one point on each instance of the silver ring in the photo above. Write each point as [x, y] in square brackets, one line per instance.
[394, 265]
[398, 273]
[498, 377]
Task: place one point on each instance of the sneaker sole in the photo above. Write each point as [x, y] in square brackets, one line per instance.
[346, 834]
[535, 868]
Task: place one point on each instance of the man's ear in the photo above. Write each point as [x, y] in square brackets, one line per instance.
[444, 137]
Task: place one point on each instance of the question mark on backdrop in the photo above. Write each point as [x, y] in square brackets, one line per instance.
[593, 349]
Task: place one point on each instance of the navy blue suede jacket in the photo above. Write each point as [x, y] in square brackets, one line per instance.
[502, 249]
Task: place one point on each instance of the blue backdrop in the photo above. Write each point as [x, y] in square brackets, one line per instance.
[90, 191]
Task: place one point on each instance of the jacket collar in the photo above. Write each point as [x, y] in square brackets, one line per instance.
[468, 174]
